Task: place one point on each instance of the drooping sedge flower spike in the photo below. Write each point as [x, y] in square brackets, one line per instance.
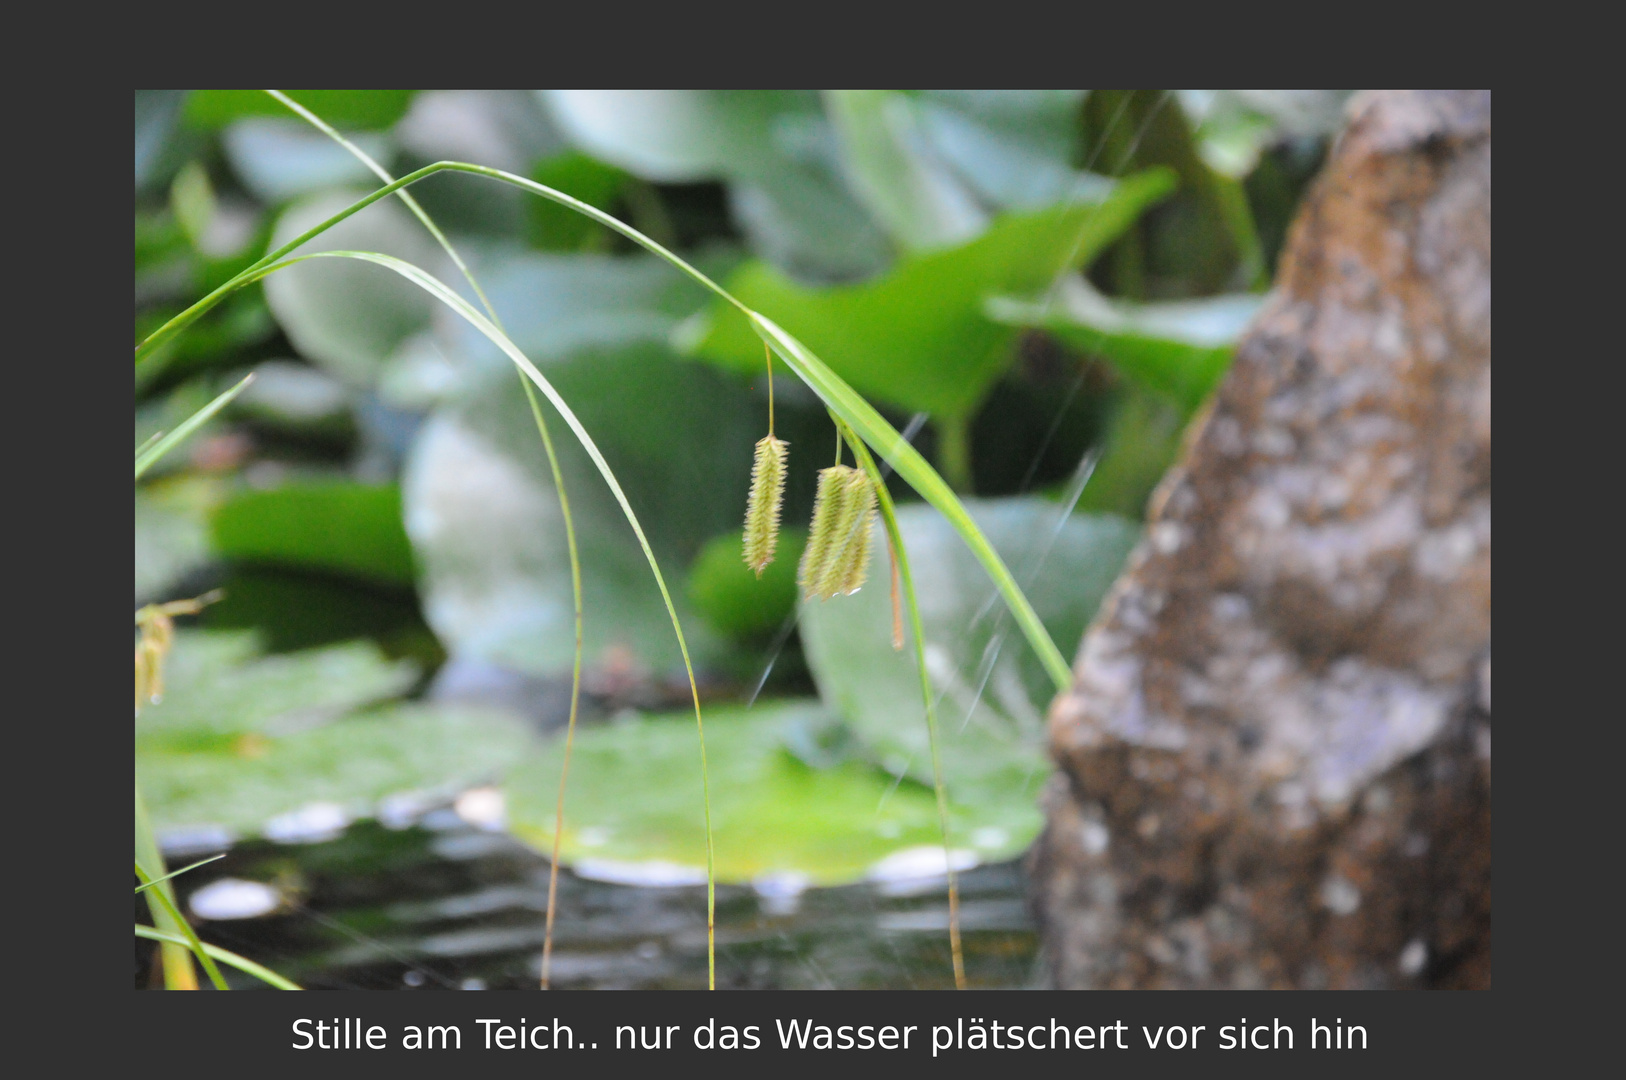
[836, 559]
[762, 507]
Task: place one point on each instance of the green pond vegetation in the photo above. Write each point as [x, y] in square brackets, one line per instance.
[1040, 288]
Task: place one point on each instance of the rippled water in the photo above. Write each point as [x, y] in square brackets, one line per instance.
[443, 904]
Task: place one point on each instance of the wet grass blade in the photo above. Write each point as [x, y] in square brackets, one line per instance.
[151, 451]
[188, 935]
[177, 873]
[441, 292]
[895, 538]
[225, 956]
[862, 417]
[558, 487]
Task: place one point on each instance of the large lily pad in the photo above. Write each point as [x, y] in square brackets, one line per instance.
[991, 691]
[633, 808]
[240, 739]
[918, 337]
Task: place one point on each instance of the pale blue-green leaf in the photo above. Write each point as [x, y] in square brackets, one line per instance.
[344, 316]
[171, 532]
[217, 687]
[775, 148]
[892, 168]
[484, 519]
[1176, 349]
[992, 690]
[279, 159]
[1014, 148]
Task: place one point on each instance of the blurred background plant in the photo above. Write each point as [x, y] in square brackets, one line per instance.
[1040, 287]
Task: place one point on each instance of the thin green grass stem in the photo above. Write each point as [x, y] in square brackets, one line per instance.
[889, 516]
[178, 973]
[225, 956]
[166, 901]
[558, 486]
[177, 873]
[954, 450]
[873, 429]
[441, 292]
[152, 450]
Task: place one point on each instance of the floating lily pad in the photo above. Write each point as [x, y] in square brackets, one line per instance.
[240, 739]
[633, 808]
[991, 691]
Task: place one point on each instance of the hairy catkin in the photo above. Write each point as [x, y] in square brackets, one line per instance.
[762, 507]
[853, 565]
[826, 506]
[837, 554]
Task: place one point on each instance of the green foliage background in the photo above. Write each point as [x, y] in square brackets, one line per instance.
[1041, 286]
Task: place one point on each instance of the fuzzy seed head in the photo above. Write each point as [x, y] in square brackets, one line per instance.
[826, 505]
[837, 553]
[854, 566]
[762, 507]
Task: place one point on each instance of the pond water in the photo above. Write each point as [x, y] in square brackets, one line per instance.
[440, 903]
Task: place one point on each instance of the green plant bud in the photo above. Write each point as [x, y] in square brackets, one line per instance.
[762, 507]
[826, 507]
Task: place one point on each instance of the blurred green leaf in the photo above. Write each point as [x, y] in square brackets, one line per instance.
[919, 202]
[993, 691]
[484, 518]
[633, 807]
[1141, 442]
[732, 598]
[344, 109]
[341, 313]
[336, 526]
[774, 147]
[550, 226]
[217, 687]
[240, 739]
[1178, 349]
[171, 532]
[917, 338]
[1015, 149]
[556, 306]
[281, 157]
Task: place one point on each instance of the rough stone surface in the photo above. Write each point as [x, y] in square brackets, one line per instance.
[1275, 758]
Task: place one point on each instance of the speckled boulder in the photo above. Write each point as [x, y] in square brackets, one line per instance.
[1275, 757]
